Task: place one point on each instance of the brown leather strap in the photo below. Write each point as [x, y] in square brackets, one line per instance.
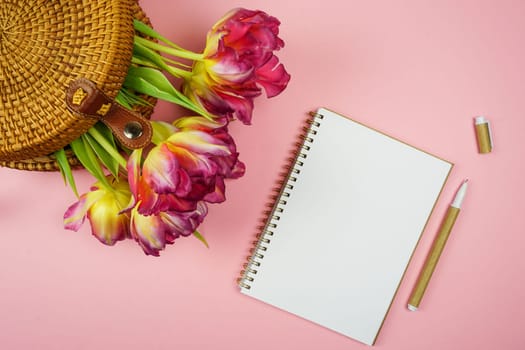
[130, 128]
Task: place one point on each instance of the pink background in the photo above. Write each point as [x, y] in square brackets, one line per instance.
[419, 70]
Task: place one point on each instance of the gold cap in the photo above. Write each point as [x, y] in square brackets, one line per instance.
[483, 134]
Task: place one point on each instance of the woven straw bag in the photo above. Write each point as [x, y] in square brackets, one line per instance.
[45, 47]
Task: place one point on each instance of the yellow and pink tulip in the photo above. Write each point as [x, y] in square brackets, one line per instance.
[238, 60]
[102, 206]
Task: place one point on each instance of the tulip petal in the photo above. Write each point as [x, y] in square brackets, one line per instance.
[237, 170]
[184, 186]
[195, 164]
[160, 170]
[152, 203]
[273, 77]
[218, 195]
[184, 223]
[243, 107]
[197, 123]
[229, 70]
[148, 231]
[198, 142]
[106, 223]
[133, 168]
[76, 214]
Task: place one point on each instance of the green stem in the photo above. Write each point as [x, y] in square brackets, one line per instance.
[176, 63]
[143, 62]
[145, 29]
[171, 51]
[108, 147]
[175, 71]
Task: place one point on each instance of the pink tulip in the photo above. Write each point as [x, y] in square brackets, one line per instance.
[153, 232]
[186, 168]
[238, 60]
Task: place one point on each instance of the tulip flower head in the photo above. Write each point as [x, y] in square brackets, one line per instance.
[188, 167]
[102, 206]
[153, 232]
[238, 60]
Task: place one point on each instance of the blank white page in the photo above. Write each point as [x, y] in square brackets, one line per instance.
[344, 239]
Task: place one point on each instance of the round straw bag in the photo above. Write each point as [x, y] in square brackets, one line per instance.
[46, 47]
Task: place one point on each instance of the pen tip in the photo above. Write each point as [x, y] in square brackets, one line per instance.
[412, 307]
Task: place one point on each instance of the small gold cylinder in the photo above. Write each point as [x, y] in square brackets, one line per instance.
[483, 135]
[433, 257]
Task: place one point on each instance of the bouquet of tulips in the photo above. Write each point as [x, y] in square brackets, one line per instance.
[159, 193]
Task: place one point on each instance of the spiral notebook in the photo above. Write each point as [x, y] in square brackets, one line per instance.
[344, 226]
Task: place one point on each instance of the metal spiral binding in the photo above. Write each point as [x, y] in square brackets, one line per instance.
[278, 207]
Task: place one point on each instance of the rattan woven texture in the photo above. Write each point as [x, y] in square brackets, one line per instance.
[44, 45]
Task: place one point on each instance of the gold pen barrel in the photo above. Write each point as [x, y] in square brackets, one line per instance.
[433, 257]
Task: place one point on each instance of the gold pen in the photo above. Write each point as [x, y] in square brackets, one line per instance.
[437, 248]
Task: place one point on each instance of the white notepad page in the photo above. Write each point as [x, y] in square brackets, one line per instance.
[348, 230]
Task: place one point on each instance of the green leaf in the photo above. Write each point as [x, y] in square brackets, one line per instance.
[152, 82]
[201, 238]
[106, 132]
[128, 99]
[104, 137]
[123, 100]
[103, 156]
[87, 158]
[65, 169]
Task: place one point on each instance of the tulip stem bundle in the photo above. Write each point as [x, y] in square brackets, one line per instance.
[177, 52]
